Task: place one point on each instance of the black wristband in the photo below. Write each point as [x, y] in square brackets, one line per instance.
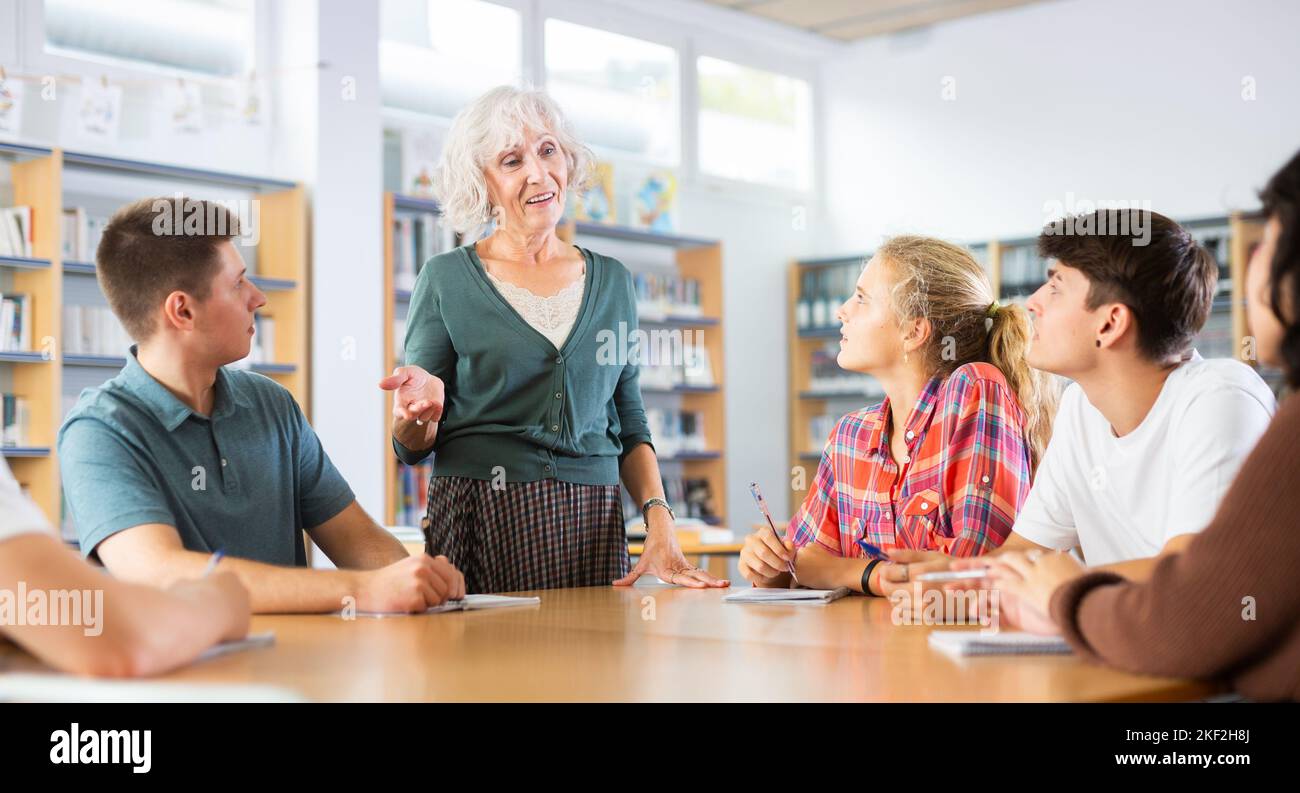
[866, 576]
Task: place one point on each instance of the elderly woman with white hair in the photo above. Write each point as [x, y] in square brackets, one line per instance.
[530, 427]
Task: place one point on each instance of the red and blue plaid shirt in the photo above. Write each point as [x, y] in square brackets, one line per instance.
[965, 478]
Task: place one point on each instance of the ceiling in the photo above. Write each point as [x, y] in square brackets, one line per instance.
[849, 20]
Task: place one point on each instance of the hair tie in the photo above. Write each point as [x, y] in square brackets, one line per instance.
[993, 310]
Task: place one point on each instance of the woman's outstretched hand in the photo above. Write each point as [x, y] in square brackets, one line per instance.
[417, 395]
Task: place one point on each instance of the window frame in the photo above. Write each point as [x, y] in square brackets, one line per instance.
[35, 58]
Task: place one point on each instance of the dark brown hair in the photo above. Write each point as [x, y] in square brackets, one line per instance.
[1281, 197]
[152, 248]
[1166, 279]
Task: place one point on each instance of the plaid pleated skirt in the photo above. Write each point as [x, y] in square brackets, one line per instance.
[527, 535]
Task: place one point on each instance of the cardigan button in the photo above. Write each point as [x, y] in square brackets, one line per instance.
[559, 359]
[555, 428]
[557, 394]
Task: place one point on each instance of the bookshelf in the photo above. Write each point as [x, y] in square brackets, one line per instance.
[1016, 271]
[682, 257]
[48, 377]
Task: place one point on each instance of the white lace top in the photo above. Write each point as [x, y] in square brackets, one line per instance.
[553, 316]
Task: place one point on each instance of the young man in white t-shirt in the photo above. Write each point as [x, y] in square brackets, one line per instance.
[1149, 435]
[116, 629]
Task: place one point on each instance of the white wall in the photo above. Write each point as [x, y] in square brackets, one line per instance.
[1107, 99]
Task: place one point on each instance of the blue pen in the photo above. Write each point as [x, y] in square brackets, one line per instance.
[762, 507]
[873, 551]
[212, 565]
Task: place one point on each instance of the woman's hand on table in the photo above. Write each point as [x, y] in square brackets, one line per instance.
[417, 395]
[662, 556]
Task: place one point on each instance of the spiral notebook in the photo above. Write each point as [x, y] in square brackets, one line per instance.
[964, 643]
[470, 603]
[786, 596]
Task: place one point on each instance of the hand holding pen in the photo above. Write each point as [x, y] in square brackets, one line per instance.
[766, 552]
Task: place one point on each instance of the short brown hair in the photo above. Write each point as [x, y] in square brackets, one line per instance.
[147, 251]
[1167, 280]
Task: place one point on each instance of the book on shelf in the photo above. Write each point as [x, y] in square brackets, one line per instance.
[822, 290]
[16, 231]
[417, 238]
[695, 371]
[15, 323]
[660, 295]
[17, 419]
[676, 431]
[690, 497]
[399, 340]
[411, 493]
[698, 369]
[81, 234]
[93, 330]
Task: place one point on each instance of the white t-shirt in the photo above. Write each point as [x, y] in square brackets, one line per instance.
[18, 515]
[1124, 498]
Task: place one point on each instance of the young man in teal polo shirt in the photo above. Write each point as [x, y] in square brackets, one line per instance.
[178, 457]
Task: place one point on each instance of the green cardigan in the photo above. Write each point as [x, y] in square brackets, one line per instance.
[515, 405]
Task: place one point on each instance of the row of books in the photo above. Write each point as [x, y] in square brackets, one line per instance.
[676, 431]
[416, 239]
[696, 372]
[826, 376]
[81, 233]
[822, 290]
[16, 231]
[93, 330]
[689, 497]
[661, 295]
[819, 431]
[412, 493]
[15, 323]
[13, 431]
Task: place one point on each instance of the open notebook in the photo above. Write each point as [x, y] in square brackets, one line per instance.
[786, 596]
[964, 643]
[470, 603]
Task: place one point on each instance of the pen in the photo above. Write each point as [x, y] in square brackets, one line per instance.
[873, 551]
[955, 575]
[212, 565]
[762, 507]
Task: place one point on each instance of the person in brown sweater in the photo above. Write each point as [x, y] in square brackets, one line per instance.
[1228, 606]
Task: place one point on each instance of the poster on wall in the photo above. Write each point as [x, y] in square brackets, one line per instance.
[655, 203]
[250, 100]
[420, 151]
[99, 111]
[11, 108]
[597, 203]
[184, 103]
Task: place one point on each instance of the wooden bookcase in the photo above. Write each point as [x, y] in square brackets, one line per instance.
[38, 178]
[1244, 233]
[695, 258]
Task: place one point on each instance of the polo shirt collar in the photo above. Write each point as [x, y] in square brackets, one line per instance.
[170, 411]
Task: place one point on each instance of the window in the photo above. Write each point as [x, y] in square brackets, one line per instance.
[621, 93]
[437, 56]
[210, 37]
[754, 126]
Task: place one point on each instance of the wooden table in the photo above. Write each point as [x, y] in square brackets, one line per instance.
[653, 644]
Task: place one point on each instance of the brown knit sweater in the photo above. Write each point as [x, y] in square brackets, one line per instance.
[1193, 618]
